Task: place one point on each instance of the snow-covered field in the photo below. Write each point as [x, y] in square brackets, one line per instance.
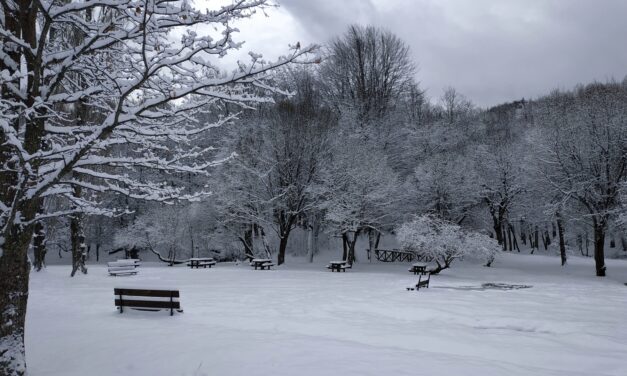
[303, 320]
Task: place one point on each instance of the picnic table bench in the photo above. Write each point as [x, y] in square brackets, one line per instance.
[338, 266]
[134, 262]
[421, 282]
[122, 267]
[418, 268]
[147, 299]
[197, 262]
[261, 263]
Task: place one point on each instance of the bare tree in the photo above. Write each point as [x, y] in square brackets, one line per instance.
[586, 152]
[456, 106]
[499, 170]
[368, 69]
[360, 191]
[282, 158]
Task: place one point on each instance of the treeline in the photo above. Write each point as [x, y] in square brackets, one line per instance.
[359, 150]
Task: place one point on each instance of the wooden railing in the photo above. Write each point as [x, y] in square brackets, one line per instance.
[392, 255]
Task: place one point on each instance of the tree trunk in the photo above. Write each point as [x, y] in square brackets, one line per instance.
[513, 234]
[249, 250]
[316, 237]
[599, 245]
[20, 20]
[344, 247]
[560, 231]
[497, 229]
[312, 240]
[373, 239]
[78, 245]
[39, 246]
[445, 264]
[282, 248]
[310, 253]
[14, 269]
[264, 241]
[545, 240]
[191, 241]
[79, 249]
[351, 248]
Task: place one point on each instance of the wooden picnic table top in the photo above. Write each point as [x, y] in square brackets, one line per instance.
[258, 261]
[201, 259]
[337, 262]
[419, 265]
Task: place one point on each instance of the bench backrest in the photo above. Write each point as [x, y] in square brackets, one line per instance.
[121, 263]
[158, 298]
[121, 268]
[134, 262]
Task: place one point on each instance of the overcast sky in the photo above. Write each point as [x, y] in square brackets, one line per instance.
[492, 51]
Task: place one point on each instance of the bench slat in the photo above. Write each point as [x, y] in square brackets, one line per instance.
[148, 303]
[127, 267]
[141, 292]
[123, 272]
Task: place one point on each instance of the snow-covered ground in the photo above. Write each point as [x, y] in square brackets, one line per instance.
[303, 320]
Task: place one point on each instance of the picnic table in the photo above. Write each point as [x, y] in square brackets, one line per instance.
[197, 262]
[418, 268]
[261, 263]
[339, 266]
[135, 262]
[122, 267]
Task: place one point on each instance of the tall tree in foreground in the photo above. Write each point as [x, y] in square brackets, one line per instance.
[144, 85]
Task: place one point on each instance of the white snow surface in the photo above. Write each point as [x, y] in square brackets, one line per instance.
[301, 319]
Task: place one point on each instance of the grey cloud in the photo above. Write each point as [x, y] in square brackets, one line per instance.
[326, 18]
[490, 50]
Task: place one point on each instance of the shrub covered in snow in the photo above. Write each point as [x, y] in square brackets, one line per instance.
[440, 241]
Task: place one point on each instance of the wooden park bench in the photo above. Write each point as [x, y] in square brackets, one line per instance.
[421, 283]
[122, 267]
[198, 262]
[338, 266]
[261, 263]
[147, 300]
